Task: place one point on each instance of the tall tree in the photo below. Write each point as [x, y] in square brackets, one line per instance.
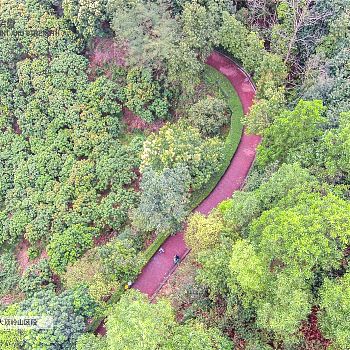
[164, 200]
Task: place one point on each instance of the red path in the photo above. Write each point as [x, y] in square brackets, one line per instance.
[161, 265]
[158, 269]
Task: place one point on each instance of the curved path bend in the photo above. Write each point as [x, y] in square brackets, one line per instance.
[161, 266]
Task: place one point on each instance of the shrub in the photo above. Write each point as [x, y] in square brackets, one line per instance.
[67, 247]
[209, 115]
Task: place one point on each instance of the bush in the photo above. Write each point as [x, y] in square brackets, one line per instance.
[67, 247]
[144, 95]
[209, 115]
[36, 278]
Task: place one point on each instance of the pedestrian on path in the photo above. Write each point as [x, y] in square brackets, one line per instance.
[176, 259]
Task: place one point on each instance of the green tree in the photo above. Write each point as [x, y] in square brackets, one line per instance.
[9, 272]
[294, 135]
[336, 146]
[164, 200]
[81, 273]
[89, 341]
[334, 318]
[69, 310]
[68, 246]
[37, 277]
[193, 336]
[209, 115]
[148, 29]
[242, 44]
[86, 15]
[144, 95]
[136, 323]
[182, 145]
[203, 232]
[245, 206]
[11, 339]
[184, 68]
[199, 28]
[119, 260]
[288, 246]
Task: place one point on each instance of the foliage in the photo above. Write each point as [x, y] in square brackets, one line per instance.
[336, 145]
[219, 82]
[144, 96]
[193, 336]
[139, 324]
[148, 29]
[289, 244]
[326, 73]
[294, 135]
[86, 15]
[269, 70]
[114, 264]
[69, 311]
[36, 278]
[203, 232]
[199, 24]
[68, 246]
[277, 243]
[208, 115]
[184, 69]
[164, 200]
[9, 272]
[119, 260]
[245, 206]
[214, 273]
[89, 341]
[136, 323]
[10, 339]
[334, 303]
[264, 111]
[81, 273]
[244, 45]
[61, 161]
[182, 145]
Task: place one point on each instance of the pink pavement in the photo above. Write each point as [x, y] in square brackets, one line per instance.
[156, 272]
[160, 267]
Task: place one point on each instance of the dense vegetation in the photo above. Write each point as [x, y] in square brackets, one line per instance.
[112, 127]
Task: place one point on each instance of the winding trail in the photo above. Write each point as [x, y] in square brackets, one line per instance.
[161, 266]
[156, 272]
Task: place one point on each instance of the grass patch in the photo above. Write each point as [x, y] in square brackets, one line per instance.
[220, 83]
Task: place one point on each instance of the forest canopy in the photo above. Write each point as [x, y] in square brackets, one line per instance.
[114, 129]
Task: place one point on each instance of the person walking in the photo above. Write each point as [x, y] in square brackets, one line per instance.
[176, 259]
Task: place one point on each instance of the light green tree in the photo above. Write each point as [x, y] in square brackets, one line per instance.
[334, 315]
[182, 145]
[294, 135]
[203, 232]
[136, 323]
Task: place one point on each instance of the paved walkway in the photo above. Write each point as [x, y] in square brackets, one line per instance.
[160, 267]
[156, 272]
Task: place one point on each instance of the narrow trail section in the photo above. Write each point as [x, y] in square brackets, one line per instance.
[160, 267]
